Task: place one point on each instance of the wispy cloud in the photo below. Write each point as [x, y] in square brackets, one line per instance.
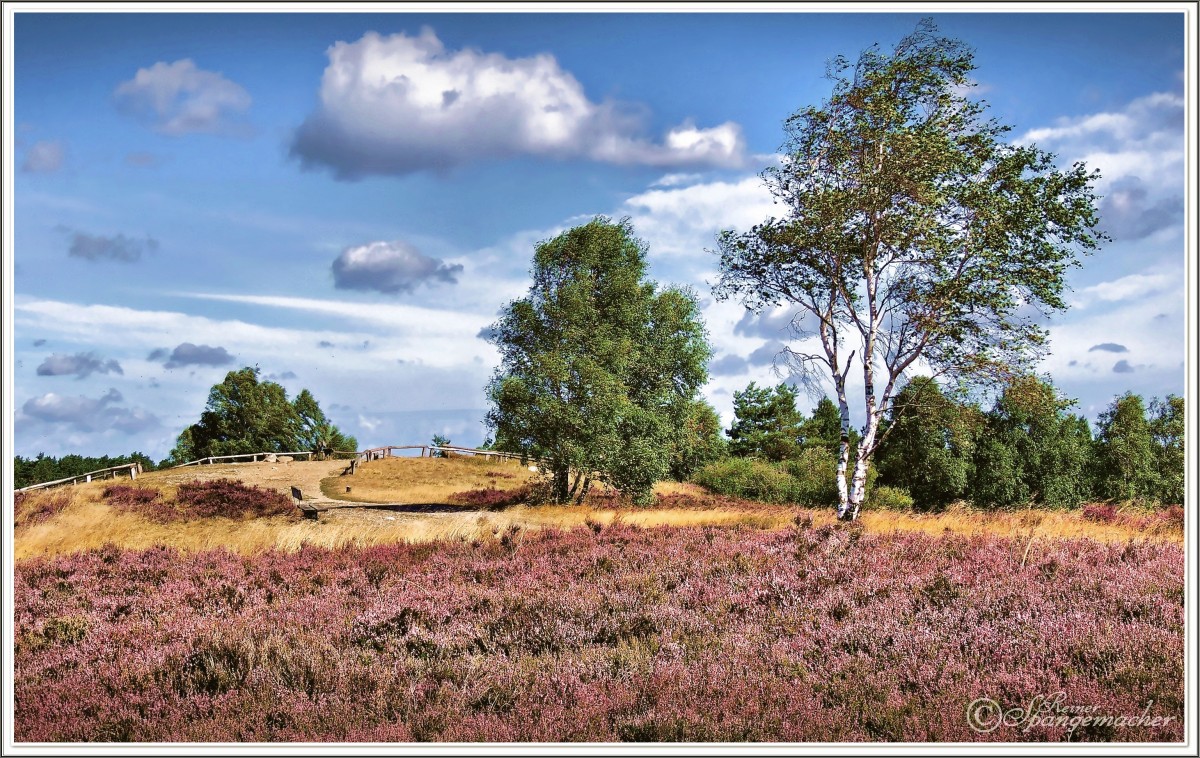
[45, 157]
[180, 98]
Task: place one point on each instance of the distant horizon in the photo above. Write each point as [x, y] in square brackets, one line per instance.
[203, 191]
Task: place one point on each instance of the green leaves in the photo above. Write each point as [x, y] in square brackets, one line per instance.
[597, 366]
[244, 415]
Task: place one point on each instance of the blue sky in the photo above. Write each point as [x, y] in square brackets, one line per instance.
[347, 200]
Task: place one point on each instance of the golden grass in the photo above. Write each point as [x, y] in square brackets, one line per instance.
[87, 522]
[424, 480]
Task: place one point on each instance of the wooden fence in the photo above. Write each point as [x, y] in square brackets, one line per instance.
[427, 451]
[105, 473]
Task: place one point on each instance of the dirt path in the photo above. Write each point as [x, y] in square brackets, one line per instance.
[277, 476]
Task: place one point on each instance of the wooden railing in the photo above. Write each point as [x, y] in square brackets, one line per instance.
[308, 455]
[134, 469]
[376, 453]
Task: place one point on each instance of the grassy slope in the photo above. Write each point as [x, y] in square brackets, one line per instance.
[77, 518]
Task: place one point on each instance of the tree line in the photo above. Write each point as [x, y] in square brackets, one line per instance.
[1025, 449]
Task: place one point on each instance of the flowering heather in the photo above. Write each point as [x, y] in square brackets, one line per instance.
[230, 498]
[492, 498]
[200, 499]
[34, 508]
[604, 633]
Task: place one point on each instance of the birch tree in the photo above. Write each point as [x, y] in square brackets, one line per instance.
[915, 236]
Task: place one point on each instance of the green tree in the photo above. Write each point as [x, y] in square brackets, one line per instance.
[698, 442]
[913, 233]
[767, 423]
[1167, 429]
[314, 431]
[245, 415]
[1126, 465]
[598, 368]
[930, 446]
[1031, 451]
[824, 428]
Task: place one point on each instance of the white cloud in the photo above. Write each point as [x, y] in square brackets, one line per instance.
[390, 267]
[1139, 151]
[180, 98]
[398, 104]
[1130, 287]
[45, 157]
[683, 221]
[86, 414]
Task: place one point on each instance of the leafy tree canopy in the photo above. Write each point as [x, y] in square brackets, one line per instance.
[599, 369]
[246, 415]
[914, 234]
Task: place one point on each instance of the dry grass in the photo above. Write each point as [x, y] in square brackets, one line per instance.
[87, 522]
[424, 480]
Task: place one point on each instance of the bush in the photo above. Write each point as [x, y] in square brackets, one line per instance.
[32, 508]
[890, 498]
[815, 475]
[1103, 513]
[748, 478]
[492, 499]
[143, 501]
[229, 498]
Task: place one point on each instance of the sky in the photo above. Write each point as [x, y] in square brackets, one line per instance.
[347, 200]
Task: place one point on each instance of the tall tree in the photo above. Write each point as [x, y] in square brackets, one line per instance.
[930, 445]
[698, 441]
[314, 431]
[598, 368]
[767, 423]
[1125, 455]
[245, 415]
[1031, 451]
[1167, 428]
[914, 234]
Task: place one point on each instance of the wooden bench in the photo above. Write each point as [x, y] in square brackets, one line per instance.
[308, 510]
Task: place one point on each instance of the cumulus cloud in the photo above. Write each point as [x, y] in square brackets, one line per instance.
[487, 334]
[97, 247]
[1139, 151]
[87, 414]
[80, 365]
[683, 221]
[1108, 347]
[180, 98]
[282, 376]
[1122, 367]
[769, 324]
[399, 104]
[766, 355]
[187, 354]
[45, 157]
[390, 267]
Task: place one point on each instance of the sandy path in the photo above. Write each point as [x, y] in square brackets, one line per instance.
[277, 476]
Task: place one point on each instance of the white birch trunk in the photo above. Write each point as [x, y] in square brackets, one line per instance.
[843, 452]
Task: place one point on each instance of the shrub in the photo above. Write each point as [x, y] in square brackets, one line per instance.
[1104, 513]
[890, 498]
[31, 508]
[143, 501]
[815, 475]
[492, 499]
[748, 478]
[229, 498]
